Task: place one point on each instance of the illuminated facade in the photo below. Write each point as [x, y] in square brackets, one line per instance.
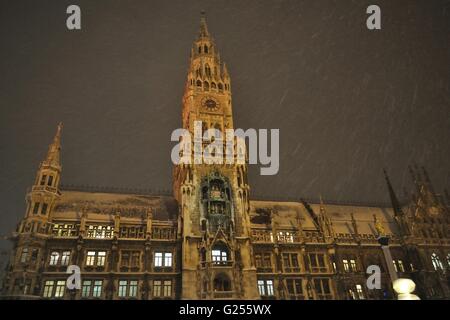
[210, 240]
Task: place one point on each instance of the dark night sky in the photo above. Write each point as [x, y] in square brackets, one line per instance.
[348, 101]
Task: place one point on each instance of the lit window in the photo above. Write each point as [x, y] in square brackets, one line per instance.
[100, 232]
[24, 255]
[92, 288]
[353, 265]
[101, 257]
[158, 259]
[96, 258]
[54, 257]
[360, 292]
[128, 288]
[86, 288]
[48, 289]
[122, 288]
[261, 288]
[346, 265]
[265, 287]
[90, 260]
[97, 292]
[163, 259]
[65, 258]
[351, 293]
[132, 290]
[398, 265]
[437, 264]
[219, 256]
[168, 259]
[157, 288]
[60, 286]
[167, 290]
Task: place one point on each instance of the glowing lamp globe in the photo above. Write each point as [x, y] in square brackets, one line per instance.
[405, 288]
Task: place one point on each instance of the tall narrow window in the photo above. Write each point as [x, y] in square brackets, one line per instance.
[360, 292]
[158, 259]
[54, 257]
[353, 265]
[122, 288]
[24, 255]
[132, 292]
[101, 258]
[261, 288]
[65, 258]
[90, 259]
[346, 265]
[168, 259]
[157, 288]
[36, 208]
[50, 181]
[167, 290]
[60, 287]
[44, 208]
[43, 179]
[437, 264]
[48, 288]
[86, 289]
[97, 290]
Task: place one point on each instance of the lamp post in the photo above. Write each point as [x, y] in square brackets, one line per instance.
[402, 286]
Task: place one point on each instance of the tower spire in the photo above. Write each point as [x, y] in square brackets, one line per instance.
[203, 33]
[54, 149]
[394, 201]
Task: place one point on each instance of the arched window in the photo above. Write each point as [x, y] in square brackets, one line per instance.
[206, 86]
[207, 70]
[222, 283]
[199, 83]
[437, 264]
[220, 87]
[213, 85]
[205, 48]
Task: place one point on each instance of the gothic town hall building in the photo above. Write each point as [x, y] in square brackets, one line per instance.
[210, 240]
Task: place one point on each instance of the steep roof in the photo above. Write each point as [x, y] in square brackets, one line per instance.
[128, 205]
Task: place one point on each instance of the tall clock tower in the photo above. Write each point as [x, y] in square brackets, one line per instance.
[217, 258]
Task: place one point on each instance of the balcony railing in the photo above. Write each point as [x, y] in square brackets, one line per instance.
[46, 188]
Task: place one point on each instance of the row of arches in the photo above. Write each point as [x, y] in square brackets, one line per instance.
[207, 86]
[204, 49]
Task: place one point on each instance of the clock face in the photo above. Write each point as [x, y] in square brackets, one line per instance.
[210, 104]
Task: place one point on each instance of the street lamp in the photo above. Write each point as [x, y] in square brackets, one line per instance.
[402, 286]
[405, 288]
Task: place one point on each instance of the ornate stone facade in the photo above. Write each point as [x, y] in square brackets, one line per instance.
[210, 241]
